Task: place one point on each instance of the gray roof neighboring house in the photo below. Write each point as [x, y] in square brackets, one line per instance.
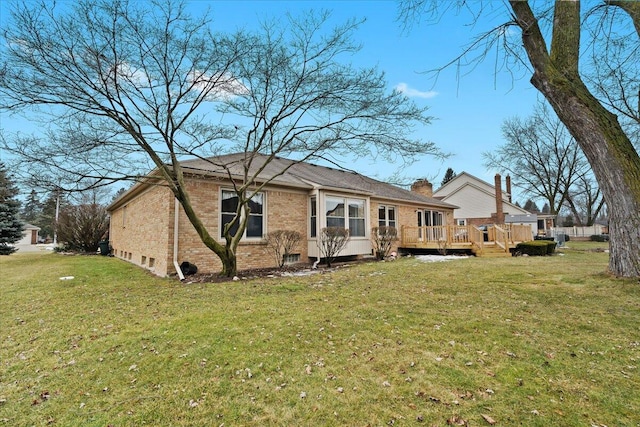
[300, 175]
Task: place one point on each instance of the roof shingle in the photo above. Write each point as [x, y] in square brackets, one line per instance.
[305, 175]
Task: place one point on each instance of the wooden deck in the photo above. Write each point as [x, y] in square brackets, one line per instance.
[497, 240]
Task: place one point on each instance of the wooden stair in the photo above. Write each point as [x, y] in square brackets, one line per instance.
[491, 250]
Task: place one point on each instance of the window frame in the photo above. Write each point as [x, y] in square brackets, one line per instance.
[362, 218]
[386, 220]
[335, 218]
[346, 217]
[221, 214]
[313, 217]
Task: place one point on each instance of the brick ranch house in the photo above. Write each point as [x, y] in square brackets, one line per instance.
[149, 228]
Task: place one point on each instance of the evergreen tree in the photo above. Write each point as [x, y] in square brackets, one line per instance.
[448, 176]
[531, 206]
[32, 209]
[47, 220]
[10, 225]
[119, 193]
[568, 221]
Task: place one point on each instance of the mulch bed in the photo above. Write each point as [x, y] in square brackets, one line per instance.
[269, 273]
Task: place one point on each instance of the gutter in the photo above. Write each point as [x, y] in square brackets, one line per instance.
[175, 239]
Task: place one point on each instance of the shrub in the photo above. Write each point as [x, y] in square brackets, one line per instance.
[536, 248]
[551, 247]
[599, 238]
[332, 241]
[282, 243]
[82, 227]
[383, 239]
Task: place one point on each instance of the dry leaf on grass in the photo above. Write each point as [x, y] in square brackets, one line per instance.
[488, 419]
[457, 421]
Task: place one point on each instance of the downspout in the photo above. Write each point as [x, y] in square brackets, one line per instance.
[175, 239]
[316, 192]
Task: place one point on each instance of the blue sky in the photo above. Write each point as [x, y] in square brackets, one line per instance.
[468, 105]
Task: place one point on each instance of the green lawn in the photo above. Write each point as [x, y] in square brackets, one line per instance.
[529, 341]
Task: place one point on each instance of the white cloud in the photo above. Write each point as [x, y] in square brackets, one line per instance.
[414, 93]
[218, 86]
[126, 71]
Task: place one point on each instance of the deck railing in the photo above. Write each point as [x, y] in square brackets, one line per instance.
[503, 235]
[438, 233]
[476, 237]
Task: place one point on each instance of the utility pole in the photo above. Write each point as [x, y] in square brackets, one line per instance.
[55, 225]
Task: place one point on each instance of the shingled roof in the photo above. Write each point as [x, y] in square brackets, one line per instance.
[305, 175]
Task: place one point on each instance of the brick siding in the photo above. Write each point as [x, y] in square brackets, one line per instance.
[141, 231]
[138, 230]
[147, 233]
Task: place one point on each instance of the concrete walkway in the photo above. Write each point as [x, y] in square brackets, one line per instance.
[34, 248]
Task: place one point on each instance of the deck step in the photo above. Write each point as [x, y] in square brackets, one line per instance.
[492, 252]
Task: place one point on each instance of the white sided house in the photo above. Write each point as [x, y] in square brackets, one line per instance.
[480, 203]
[29, 235]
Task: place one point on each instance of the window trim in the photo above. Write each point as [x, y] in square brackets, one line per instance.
[346, 198]
[313, 219]
[244, 234]
[387, 208]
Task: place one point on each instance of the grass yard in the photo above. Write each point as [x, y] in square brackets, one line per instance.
[528, 341]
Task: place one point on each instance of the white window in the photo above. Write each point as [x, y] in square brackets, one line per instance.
[335, 212]
[386, 216]
[461, 222]
[313, 217]
[228, 207]
[356, 218]
[352, 218]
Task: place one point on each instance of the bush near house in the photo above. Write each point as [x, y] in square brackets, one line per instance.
[332, 241]
[282, 243]
[536, 248]
[383, 239]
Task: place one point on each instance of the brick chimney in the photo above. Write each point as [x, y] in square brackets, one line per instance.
[423, 187]
[499, 212]
[508, 181]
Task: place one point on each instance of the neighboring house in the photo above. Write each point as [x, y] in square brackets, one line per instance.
[29, 235]
[149, 228]
[480, 203]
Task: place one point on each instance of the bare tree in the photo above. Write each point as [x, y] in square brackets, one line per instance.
[585, 200]
[130, 85]
[542, 158]
[551, 32]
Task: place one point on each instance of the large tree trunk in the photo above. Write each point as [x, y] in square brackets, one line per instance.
[226, 253]
[229, 264]
[614, 161]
